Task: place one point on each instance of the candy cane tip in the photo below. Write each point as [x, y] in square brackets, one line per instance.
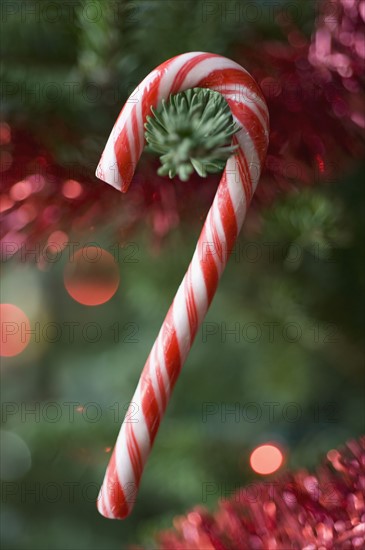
[107, 172]
[117, 511]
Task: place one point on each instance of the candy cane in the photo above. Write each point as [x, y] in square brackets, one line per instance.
[220, 230]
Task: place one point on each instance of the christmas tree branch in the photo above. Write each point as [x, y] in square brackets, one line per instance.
[190, 131]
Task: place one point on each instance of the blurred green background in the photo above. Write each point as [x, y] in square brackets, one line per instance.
[293, 373]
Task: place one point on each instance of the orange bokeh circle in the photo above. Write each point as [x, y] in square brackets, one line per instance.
[266, 459]
[15, 330]
[91, 277]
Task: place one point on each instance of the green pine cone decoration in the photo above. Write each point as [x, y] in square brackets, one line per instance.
[190, 131]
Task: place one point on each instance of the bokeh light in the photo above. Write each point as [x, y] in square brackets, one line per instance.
[5, 203]
[27, 213]
[37, 182]
[15, 330]
[5, 133]
[57, 241]
[266, 459]
[91, 276]
[21, 190]
[72, 189]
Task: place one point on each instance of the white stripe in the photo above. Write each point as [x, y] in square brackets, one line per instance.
[198, 284]
[145, 85]
[131, 140]
[216, 217]
[139, 425]
[181, 322]
[153, 374]
[236, 191]
[108, 162]
[109, 166]
[251, 155]
[103, 501]
[254, 109]
[204, 68]
[140, 129]
[170, 73]
[241, 94]
[164, 372]
[123, 462]
[123, 117]
[209, 223]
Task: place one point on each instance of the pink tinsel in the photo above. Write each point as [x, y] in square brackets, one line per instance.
[315, 93]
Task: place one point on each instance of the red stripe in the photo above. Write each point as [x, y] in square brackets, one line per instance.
[132, 452]
[243, 169]
[191, 305]
[149, 402]
[122, 147]
[245, 178]
[160, 381]
[171, 348]
[245, 175]
[136, 130]
[209, 268]
[264, 114]
[138, 455]
[227, 77]
[218, 246]
[117, 498]
[252, 124]
[125, 166]
[185, 70]
[122, 151]
[227, 213]
[149, 98]
[150, 95]
[240, 95]
[241, 174]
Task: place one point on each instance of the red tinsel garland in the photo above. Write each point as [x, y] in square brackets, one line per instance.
[315, 92]
[320, 511]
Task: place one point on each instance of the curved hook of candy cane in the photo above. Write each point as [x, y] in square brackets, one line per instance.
[222, 225]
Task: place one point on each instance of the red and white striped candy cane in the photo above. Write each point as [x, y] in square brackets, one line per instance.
[221, 227]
